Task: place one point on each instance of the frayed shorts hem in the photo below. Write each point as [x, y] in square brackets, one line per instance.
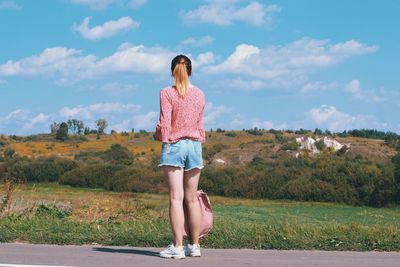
[179, 166]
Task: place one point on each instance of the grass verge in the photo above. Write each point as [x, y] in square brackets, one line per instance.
[111, 218]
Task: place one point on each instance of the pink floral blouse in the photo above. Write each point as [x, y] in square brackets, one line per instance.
[180, 117]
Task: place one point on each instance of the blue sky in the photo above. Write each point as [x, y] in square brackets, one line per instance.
[267, 64]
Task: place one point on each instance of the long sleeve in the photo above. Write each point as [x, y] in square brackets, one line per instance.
[200, 123]
[163, 127]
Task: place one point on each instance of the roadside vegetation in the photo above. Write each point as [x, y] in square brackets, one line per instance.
[55, 214]
[81, 186]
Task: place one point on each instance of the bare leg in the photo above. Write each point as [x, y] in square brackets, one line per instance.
[191, 181]
[176, 194]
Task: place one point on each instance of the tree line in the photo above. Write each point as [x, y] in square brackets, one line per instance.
[74, 126]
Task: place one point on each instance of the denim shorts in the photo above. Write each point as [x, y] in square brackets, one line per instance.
[185, 153]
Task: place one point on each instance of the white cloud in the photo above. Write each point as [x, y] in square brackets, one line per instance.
[103, 4]
[9, 5]
[318, 86]
[352, 47]
[212, 113]
[328, 117]
[95, 4]
[247, 85]
[120, 117]
[58, 61]
[369, 96]
[69, 65]
[137, 3]
[203, 59]
[93, 111]
[41, 118]
[108, 29]
[196, 42]
[2, 82]
[239, 121]
[138, 122]
[22, 121]
[131, 58]
[260, 124]
[288, 65]
[123, 126]
[114, 88]
[242, 121]
[18, 114]
[235, 62]
[225, 13]
[145, 121]
[353, 87]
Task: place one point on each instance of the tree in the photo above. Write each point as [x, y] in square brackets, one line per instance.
[54, 127]
[86, 131]
[396, 162]
[317, 131]
[62, 132]
[9, 153]
[80, 127]
[101, 125]
[75, 126]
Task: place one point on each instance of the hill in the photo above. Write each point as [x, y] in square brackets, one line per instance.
[233, 147]
[301, 165]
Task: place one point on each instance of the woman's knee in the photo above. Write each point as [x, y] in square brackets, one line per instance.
[176, 196]
[190, 199]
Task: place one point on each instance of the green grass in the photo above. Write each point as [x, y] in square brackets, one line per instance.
[112, 218]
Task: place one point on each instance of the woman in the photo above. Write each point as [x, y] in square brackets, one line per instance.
[180, 128]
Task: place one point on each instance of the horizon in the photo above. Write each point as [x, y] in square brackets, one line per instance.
[220, 130]
[280, 65]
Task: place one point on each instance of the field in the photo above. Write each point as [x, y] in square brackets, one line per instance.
[50, 213]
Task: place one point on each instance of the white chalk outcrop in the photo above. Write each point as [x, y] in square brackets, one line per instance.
[308, 143]
[219, 161]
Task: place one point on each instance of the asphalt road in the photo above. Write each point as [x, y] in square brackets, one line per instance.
[28, 255]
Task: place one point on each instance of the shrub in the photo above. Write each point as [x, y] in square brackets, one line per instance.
[208, 153]
[91, 175]
[9, 153]
[320, 144]
[3, 143]
[293, 145]
[279, 137]
[231, 134]
[57, 210]
[255, 131]
[302, 131]
[118, 154]
[130, 179]
[40, 170]
[307, 189]
[396, 173]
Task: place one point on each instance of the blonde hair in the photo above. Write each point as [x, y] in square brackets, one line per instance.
[181, 68]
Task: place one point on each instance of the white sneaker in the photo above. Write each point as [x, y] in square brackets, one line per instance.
[192, 250]
[173, 252]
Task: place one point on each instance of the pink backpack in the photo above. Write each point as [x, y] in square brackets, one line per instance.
[207, 216]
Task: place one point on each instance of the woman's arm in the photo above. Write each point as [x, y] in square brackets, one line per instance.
[163, 127]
